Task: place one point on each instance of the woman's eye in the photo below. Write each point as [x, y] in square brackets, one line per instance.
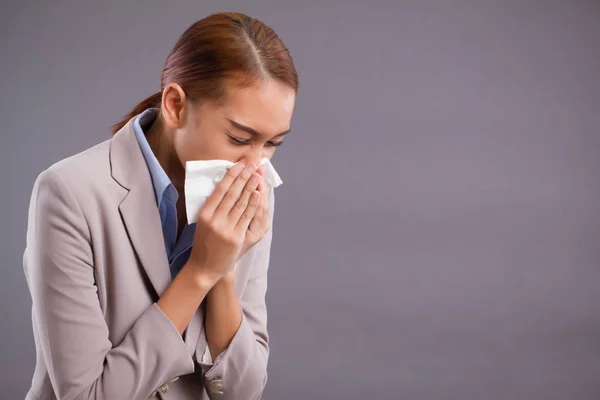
[244, 142]
[239, 141]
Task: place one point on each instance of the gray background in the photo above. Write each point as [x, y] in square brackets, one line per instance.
[437, 235]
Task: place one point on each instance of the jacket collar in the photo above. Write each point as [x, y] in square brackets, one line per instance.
[138, 208]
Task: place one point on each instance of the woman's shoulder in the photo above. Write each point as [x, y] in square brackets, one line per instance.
[84, 174]
[91, 162]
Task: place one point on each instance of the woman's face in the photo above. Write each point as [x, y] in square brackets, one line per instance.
[249, 126]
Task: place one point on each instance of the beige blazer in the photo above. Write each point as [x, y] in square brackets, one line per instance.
[96, 264]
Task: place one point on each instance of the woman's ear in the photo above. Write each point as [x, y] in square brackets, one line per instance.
[174, 106]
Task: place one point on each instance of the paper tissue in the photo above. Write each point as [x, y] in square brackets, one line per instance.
[202, 177]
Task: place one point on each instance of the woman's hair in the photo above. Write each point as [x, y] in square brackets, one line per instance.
[222, 48]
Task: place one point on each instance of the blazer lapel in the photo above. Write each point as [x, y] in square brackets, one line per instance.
[138, 209]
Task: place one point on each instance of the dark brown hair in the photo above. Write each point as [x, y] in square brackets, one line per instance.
[223, 47]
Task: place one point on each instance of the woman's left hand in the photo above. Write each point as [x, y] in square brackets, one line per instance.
[259, 225]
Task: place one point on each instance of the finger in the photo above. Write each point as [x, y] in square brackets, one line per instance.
[242, 203]
[260, 221]
[265, 221]
[264, 190]
[248, 214]
[257, 221]
[234, 192]
[222, 187]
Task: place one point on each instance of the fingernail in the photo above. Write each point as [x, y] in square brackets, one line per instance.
[251, 167]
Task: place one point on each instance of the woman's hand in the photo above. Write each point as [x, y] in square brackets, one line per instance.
[223, 221]
[260, 224]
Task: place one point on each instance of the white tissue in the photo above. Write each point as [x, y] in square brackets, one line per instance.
[202, 177]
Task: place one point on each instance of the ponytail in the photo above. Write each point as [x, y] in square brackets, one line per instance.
[150, 102]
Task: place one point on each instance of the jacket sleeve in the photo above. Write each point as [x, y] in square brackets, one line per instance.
[240, 371]
[68, 322]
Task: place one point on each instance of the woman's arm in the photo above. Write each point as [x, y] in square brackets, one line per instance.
[236, 330]
[223, 315]
[81, 360]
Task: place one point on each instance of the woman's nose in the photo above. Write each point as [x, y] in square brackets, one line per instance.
[253, 158]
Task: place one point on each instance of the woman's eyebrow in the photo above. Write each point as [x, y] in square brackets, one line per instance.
[252, 131]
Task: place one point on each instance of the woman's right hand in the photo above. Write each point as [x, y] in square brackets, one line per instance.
[222, 222]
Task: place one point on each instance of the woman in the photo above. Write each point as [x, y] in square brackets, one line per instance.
[130, 302]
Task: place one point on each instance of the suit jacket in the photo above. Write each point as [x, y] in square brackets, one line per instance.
[96, 264]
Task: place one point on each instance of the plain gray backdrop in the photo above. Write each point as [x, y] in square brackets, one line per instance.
[437, 233]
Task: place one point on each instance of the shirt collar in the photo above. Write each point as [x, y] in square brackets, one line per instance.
[160, 179]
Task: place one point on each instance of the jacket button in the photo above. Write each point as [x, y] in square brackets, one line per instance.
[215, 386]
[162, 389]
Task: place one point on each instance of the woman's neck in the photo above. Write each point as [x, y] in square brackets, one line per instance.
[161, 143]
